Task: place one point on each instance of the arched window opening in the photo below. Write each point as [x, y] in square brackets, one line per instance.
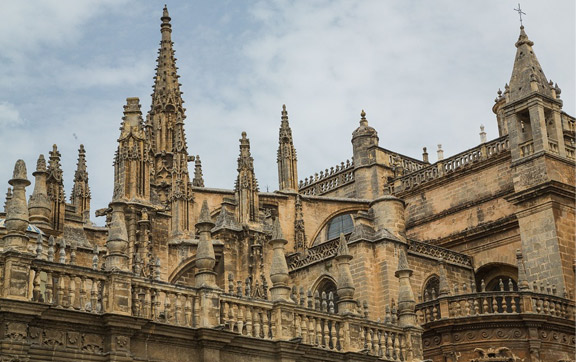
[431, 288]
[493, 273]
[341, 224]
[327, 286]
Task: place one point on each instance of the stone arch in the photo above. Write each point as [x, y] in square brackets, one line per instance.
[491, 273]
[431, 283]
[326, 283]
[320, 232]
[184, 272]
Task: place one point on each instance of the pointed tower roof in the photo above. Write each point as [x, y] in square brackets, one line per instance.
[166, 86]
[198, 180]
[285, 130]
[527, 74]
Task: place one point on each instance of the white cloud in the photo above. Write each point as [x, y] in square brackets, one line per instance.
[9, 115]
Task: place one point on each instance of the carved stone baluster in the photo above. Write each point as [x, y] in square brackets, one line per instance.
[72, 292]
[311, 331]
[476, 306]
[318, 332]
[240, 323]
[389, 346]
[49, 288]
[504, 304]
[60, 286]
[333, 335]
[434, 312]
[375, 342]
[249, 321]
[397, 347]
[94, 296]
[257, 323]
[195, 311]
[232, 313]
[369, 345]
[467, 307]
[309, 300]
[188, 312]
[82, 296]
[225, 310]
[147, 307]
[36, 292]
[302, 297]
[265, 324]
[513, 304]
[168, 315]
[178, 310]
[155, 303]
[304, 329]
[343, 339]
[326, 332]
[494, 305]
[485, 305]
[546, 309]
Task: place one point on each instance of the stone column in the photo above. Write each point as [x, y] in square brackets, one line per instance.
[280, 290]
[17, 219]
[345, 288]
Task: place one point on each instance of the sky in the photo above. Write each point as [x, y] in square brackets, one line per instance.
[426, 73]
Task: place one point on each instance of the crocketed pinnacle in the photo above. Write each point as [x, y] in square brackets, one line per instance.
[286, 156]
[81, 174]
[342, 246]
[285, 131]
[527, 75]
[204, 217]
[277, 230]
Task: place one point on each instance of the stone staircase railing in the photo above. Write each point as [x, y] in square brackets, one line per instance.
[438, 252]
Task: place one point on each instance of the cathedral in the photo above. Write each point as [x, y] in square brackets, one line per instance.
[381, 257]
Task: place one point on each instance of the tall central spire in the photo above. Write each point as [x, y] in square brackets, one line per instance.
[170, 180]
[286, 159]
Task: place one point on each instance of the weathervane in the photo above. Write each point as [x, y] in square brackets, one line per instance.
[520, 12]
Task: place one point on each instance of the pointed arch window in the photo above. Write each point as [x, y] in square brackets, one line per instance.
[341, 224]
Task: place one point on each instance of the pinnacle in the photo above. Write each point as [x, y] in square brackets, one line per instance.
[204, 214]
[343, 246]
[20, 171]
[402, 261]
[277, 230]
[363, 121]
[41, 164]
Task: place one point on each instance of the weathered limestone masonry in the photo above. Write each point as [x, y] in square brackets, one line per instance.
[382, 257]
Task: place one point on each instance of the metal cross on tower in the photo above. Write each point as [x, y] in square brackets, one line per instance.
[520, 12]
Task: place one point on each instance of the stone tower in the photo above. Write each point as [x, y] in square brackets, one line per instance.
[246, 188]
[530, 112]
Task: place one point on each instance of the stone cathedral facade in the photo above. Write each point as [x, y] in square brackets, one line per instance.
[382, 257]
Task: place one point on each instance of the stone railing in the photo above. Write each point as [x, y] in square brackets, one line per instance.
[68, 286]
[328, 180]
[553, 146]
[314, 323]
[494, 303]
[570, 152]
[438, 252]
[164, 303]
[314, 254]
[526, 148]
[449, 165]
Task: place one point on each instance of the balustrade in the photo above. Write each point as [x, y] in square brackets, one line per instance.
[553, 146]
[69, 287]
[452, 164]
[526, 148]
[328, 180]
[494, 303]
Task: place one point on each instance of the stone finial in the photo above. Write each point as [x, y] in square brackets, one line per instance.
[346, 288]
[482, 134]
[8, 198]
[39, 247]
[406, 302]
[279, 268]
[17, 219]
[117, 242]
[522, 280]
[444, 287]
[39, 206]
[440, 153]
[425, 155]
[205, 257]
[286, 156]
[363, 120]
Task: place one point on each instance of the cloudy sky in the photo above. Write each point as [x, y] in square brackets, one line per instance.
[425, 72]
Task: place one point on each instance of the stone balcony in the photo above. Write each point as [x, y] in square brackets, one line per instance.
[531, 325]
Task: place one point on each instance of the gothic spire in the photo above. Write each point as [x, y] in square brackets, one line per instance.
[286, 159]
[198, 180]
[246, 186]
[527, 75]
[81, 190]
[55, 186]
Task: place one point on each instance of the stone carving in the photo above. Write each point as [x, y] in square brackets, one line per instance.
[16, 331]
[501, 354]
[92, 343]
[440, 253]
[53, 337]
[122, 342]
